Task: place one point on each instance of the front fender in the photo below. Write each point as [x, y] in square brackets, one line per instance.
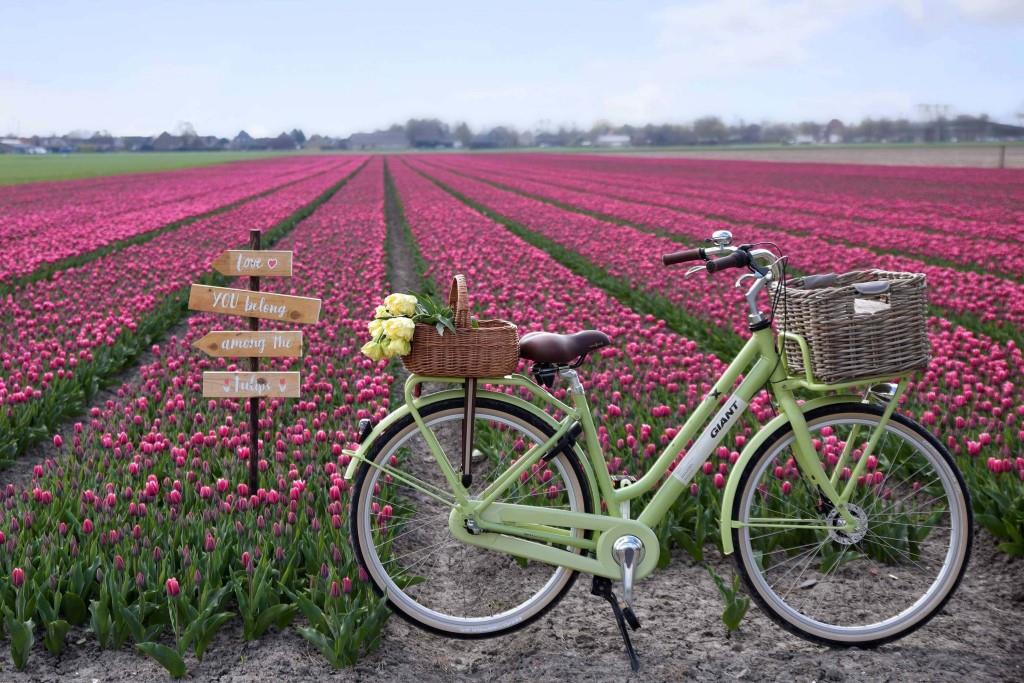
[752, 447]
[359, 454]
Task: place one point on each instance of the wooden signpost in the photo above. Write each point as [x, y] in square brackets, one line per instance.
[251, 384]
[254, 304]
[242, 344]
[250, 262]
[253, 343]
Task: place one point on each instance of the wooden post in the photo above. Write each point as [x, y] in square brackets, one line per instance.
[1002, 156]
[255, 239]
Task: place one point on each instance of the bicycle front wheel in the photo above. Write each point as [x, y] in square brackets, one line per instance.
[399, 522]
[862, 584]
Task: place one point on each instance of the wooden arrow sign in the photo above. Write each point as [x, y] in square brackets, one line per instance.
[252, 262]
[251, 384]
[245, 344]
[281, 307]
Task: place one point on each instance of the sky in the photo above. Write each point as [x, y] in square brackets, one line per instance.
[337, 67]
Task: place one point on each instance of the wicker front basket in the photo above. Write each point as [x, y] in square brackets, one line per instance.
[855, 330]
[488, 349]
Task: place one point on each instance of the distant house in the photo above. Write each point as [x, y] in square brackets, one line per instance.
[241, 141]
[318, 141]
[496, 138]
[283, 142]
[165, 142]
[19, 146]
[381, 139]
[803, 139]
[612, 140]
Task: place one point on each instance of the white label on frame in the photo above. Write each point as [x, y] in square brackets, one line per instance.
[709, 440]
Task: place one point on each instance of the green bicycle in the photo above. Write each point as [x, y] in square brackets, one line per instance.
[473, 511]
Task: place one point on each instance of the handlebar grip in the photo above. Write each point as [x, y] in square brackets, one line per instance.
[683, 256]
[737, 259]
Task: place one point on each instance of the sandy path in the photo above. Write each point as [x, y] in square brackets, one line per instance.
[977, 638]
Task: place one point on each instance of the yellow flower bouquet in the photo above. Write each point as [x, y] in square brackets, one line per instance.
[394, 324]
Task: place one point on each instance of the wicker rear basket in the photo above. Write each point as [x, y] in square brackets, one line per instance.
[868, 323]
[488, 349]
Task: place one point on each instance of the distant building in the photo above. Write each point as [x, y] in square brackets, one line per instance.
[381, 139]
[165, 142]
[19, 146]
[612, 140]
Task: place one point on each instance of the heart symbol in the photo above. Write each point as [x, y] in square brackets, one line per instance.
[272, 263]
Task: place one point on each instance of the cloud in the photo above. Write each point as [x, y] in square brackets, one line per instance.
[738, 35]
[991, 10]
[643, 103]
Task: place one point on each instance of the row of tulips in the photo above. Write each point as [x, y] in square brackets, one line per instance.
[139, 524]
[970, 394]
[39, 217]
[970, 203]
[990, 247]
[62, 337]
[991, 304]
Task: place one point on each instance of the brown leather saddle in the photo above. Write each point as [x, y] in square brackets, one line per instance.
[560, 349]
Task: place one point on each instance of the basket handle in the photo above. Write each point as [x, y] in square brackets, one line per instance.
[458, 301]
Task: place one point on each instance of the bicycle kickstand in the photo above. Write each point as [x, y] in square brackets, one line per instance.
[602, 587]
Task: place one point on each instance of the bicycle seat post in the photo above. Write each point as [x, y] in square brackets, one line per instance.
[468, 417]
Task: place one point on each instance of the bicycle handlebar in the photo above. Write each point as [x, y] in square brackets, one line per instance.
[738, 259]
[684, 256]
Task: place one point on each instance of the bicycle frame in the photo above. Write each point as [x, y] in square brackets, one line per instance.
[527, 531]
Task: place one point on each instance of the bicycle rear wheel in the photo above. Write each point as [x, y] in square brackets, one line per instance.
[865, 585]
[399, 522]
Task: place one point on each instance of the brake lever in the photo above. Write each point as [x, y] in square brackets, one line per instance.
[692, 270]
[739, 282]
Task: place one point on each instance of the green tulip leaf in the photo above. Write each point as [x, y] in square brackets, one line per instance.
[167, 658]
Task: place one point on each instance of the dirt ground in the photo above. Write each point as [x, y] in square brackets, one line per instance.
[977, 638]
[965, 156]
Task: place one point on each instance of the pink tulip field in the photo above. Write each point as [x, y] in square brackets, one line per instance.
[127, 517]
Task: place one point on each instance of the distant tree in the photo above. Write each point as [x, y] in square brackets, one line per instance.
[463, 134]
[427, 133]
[709, 129]
[835, 128]
[298, 136]
[776, 132]
[750, 134]
[185, 129]
[811, 128]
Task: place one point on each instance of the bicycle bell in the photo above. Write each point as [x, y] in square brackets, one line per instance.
[721, 238]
